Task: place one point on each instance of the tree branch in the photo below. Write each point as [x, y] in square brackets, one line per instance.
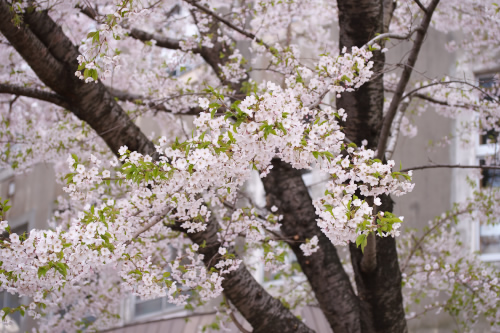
[226, 22]
[421, 6]
[264, 312]
[42, 95]
[154, 105]
[444, 103]
[161, 41]
[369, 260]
[210, 55]
[427, 233]
[149, 225]
[451, 166]
[405, 77]
[52, 56]
[285, 189]
[493, 98]
[389, 35]
[233, 317]
[396, 126]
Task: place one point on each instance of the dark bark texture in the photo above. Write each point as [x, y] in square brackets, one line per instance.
[360, 21]
[379, 290]
[285, 189]
[265, 313]
[52, 56]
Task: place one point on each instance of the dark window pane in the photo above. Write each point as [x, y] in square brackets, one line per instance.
[490, 136]
[491, 177]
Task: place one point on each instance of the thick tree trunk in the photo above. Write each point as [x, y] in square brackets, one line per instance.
[285, 189]
[360, 21]
[265, 313]
[380, 289]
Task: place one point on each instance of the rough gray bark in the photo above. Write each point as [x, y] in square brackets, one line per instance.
[285, 189]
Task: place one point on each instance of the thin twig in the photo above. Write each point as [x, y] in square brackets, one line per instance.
[389, 35]
[226, 22]
[318, 101]
[444, 103]
[396, 127]
[449, 82]
[456, 166]
[427, 233]
[148, 226]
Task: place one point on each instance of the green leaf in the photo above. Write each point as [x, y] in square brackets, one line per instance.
[231, 137]
[42, 271]
[6, 311]
[345, 78]
[281, 257]
[361, 240]
[61, 268]
[202, 136]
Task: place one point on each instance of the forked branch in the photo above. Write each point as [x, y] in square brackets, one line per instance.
[405, 78]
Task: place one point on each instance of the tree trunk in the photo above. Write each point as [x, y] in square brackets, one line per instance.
[285, 189]
[380, 289]
[265, 313]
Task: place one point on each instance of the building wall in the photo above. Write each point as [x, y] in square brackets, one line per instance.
[432, 193]
[32, 197]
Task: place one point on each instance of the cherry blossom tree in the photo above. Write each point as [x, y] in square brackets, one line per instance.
[275, 93]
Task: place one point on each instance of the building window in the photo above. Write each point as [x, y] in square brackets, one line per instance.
[159, 307]
[151, 306]
[489, 235]
[12, 189]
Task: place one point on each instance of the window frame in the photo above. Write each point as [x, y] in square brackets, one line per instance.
[482, 150]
